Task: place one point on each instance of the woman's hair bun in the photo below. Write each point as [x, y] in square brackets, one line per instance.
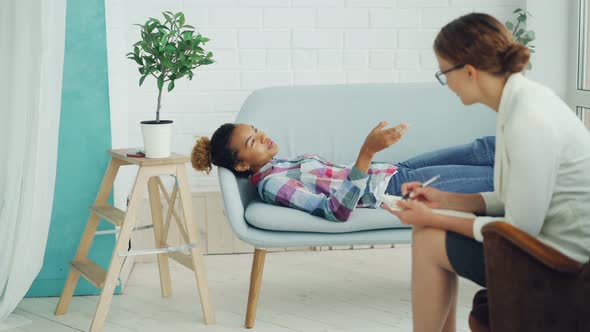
[515, 58]
[201, 155]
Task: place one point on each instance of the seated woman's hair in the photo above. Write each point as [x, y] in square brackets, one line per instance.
[216, 151]
[482, 41]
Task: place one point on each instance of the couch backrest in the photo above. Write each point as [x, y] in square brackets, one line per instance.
[333, 121]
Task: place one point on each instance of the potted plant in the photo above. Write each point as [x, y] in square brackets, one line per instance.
[520, 32]
[168, 50]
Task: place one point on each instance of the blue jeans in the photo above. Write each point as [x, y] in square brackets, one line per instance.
[465, 168]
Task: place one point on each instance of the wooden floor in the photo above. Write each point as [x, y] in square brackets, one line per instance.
[342, 290]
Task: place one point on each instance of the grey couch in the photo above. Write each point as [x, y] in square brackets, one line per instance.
[332, 121]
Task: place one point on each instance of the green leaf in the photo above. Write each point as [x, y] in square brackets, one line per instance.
[188, 26]
[187, 35]
[167, 16]
[509, 25]
[517, 10]
[519, 32]
[137, 59]
[153, 70]
[181, 19]
[170, 48]
[170, 86]
[151, 27]
[530, 35]
[148, 60]
[521, 18]
[160, 82]
[142, 79]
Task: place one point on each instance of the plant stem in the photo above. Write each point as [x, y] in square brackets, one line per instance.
[159, 105]
[516, 27]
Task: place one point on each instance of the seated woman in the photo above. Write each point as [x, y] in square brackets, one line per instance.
[332, 191]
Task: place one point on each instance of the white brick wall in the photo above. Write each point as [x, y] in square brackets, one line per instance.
[265, 39]
[259, 43]
[317, 39]
[343, 18]
[395, 18]
[289, 18]
[370, 39]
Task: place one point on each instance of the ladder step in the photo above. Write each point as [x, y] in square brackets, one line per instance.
[109, 213]
[95, 274]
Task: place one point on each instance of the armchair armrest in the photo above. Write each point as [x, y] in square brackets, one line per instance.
[236, 193]
[538, 250]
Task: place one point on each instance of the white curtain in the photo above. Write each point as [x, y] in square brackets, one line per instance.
[32, 38]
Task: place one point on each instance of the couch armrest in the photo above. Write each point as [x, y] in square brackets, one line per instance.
[538, 250]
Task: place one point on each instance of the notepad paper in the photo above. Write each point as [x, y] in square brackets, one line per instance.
[390, 200]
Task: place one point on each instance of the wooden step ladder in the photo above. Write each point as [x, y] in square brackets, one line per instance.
[149, 173]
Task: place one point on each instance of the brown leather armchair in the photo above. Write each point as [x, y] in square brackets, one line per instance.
[530, 286]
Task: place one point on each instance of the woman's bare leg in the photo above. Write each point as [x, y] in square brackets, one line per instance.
[451, 322]
[434, 283]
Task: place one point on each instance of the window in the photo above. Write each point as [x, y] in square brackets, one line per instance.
[580, 98]
[584, 114]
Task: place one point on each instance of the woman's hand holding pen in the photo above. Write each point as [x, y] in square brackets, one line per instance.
[431, 197]
[437, 199]
[417, 210]
[414, 213]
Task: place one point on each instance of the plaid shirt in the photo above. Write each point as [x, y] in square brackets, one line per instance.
[314, 185]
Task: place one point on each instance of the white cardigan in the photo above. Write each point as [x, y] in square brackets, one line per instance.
[542, 169]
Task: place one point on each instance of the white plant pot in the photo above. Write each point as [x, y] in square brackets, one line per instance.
[157, 138]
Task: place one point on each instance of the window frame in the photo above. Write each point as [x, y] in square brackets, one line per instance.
[579, 98]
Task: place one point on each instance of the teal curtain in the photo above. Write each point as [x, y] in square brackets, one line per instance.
[84, 137]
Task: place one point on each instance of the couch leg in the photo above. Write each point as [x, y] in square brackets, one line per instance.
[255, 280]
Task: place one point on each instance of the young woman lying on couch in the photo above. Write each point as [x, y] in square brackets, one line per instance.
[332, 191]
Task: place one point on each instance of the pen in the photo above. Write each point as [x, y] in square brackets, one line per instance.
[425, 184]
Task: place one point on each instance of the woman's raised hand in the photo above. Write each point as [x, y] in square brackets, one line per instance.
[379, 138]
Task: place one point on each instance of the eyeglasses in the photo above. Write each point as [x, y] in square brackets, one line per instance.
[441, 76]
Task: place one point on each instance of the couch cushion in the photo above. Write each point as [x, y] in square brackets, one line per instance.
[278, 218]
